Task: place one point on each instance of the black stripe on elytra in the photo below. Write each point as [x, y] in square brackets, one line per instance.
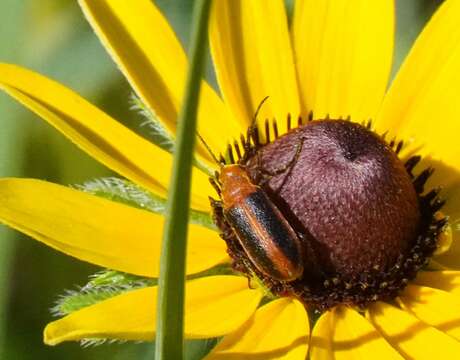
[257, 206]
[262, 208]
[240, 221]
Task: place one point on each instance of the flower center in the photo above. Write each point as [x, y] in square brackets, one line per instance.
[363, 226]
[349, 194]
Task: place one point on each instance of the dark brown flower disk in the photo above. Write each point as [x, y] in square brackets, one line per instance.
[346, 192]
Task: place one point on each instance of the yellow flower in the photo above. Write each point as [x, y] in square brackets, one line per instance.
[334, 60]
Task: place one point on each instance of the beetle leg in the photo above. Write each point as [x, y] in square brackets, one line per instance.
[216, 205]
[287, 167]
[291, 163]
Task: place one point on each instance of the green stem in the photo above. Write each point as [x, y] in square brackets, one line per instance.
[171, 292]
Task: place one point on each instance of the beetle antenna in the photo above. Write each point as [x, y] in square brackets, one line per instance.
[254, 119]
[214, 157]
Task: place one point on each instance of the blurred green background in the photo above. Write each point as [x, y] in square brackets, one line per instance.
[52, 37]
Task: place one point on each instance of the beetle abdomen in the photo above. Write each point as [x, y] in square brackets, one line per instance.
[266, 236]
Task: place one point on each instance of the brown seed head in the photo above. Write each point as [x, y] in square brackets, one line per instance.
[347, 192]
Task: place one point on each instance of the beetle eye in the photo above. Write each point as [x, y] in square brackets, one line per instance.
[365, 222]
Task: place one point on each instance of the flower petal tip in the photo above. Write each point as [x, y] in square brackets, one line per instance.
[51, 335]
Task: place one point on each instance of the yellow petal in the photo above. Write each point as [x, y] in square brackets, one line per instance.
[98, 134]
[144, 46]
[444, 280]
[252, 54]
[345, 334]
[214, 306]
[343, 51]
[423, 103]
[278, 330]
[97, 230]
[434, 307]
[411, 337]
[321, 338]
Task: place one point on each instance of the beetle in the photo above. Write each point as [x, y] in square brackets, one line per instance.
[266, 236]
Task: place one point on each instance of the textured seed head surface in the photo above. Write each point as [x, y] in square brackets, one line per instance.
[346, 192]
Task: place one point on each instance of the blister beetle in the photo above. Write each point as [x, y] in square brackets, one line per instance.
[269, 241]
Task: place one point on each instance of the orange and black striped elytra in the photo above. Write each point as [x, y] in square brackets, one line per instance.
[269, 241]
[266, 236]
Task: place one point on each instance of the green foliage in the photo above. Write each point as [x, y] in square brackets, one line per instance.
[74, 300]
[117, 280]
[125, 192]
[159, 135]
[108, 283]
[101, 286]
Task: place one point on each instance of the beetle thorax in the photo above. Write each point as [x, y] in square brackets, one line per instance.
[236, 184]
